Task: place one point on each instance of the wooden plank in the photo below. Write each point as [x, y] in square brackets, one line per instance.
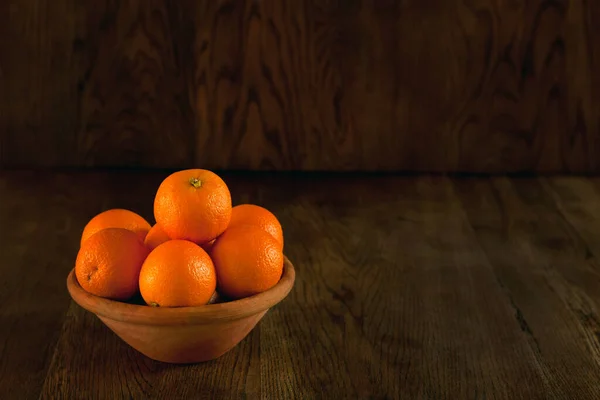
[393, 297]
[339, 85]
[551, 279]
[35, 254]
[578, 199]
[459, 335]
[109, 368]
[39, 71]
[41, 218]
[135, 104]
[95, 84]
[303, 85]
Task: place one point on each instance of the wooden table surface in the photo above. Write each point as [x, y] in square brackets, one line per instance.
[415, 287]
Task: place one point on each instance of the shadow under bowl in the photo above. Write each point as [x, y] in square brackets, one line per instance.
[183, 335]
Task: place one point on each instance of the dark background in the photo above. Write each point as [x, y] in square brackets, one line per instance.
[405, 85]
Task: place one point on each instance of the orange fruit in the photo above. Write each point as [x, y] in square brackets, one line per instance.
[108, 263]
[116, 218]
[193, 204]
[155, 236]
[251, 214]
[177, 273]
[247, 260]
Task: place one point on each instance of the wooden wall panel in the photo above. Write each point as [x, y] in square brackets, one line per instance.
[38, 83]
[100, 83]
[442, 85]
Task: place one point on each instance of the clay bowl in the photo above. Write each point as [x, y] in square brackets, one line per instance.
[186, 334]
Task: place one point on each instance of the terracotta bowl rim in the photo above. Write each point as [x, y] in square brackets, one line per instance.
[210, 313]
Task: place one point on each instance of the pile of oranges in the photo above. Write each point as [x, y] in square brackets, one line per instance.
[201, 248]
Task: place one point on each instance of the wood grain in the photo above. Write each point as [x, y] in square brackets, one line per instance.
[548, 274]
[457, 85]
[135, 105]
[39, 104]
[407, 287]
[102, 84]
[36, 250]
[41, 218]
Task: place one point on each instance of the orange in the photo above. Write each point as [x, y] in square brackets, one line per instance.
[193, 204]
[177, 273]
[108, 263]
[247, 260]
[251, 214]
[155, 236]
[116, 218]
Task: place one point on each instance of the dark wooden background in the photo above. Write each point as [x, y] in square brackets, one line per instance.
[412, 85]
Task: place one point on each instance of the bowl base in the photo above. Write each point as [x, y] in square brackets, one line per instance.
[186, 344]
